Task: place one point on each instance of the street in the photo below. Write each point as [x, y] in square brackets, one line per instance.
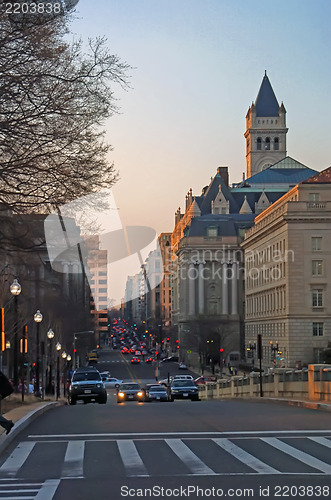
[195, 449]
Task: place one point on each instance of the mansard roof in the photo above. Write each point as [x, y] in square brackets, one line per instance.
[266, 103]
[216, 184]
[227, 224]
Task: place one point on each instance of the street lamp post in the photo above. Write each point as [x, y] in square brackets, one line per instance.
[38, 317]
[15, 289]
[58, 348]
[64, 357]
[50, 336]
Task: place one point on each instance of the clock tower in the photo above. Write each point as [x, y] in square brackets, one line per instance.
[265, 130]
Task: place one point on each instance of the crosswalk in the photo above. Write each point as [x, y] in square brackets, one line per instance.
[154, 455]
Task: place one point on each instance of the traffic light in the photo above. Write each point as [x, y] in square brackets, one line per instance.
[221, 349]
[168, 339]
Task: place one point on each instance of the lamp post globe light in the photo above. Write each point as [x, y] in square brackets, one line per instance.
[58, 348]
[15, 290]
[38, 317]
[50, 336]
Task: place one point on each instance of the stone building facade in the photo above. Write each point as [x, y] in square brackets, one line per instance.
[288, 280]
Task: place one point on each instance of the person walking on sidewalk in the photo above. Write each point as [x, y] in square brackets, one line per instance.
[5, 390]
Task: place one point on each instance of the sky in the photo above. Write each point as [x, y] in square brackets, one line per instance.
[196, 67]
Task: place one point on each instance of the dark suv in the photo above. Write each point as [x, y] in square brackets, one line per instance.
[86, 385]
[184, 389]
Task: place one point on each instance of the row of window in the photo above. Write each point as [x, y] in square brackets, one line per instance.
[266, 303]
[267, 143]
[265, 275]
[272, 253]
[253, 330]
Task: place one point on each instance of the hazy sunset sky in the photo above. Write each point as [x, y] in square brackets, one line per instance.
[197, 66]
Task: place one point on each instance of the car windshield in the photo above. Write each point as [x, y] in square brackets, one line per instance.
[79, 377]
[124, 387]
[183, 383]
[156, 389]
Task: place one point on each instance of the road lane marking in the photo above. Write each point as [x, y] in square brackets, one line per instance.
[18, 457]
[321, 440]
[48, 489]
[245, 457]
[298, 455]
[74, 459]
[131, 459]
[189, 458]
[193, 433]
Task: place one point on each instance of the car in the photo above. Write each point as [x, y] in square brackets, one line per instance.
[86, 385]
[149, 360]
[203, 380]
[156, 392]
[182, 366]
[138, 353]
[184, 389]
[130, 391]
[105, 373]
[112, 382]
[170, 359]
[135, 361]
[92, 358]
[183, 377]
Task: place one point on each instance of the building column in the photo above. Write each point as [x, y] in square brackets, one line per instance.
[225, 300]
[201, 289]
[234, 289]
[191, 289]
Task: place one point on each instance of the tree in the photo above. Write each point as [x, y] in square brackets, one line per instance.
[55, 99]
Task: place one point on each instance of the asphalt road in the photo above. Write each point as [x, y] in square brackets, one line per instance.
[206, 449]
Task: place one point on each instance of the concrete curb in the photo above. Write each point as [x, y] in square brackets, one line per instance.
[311, 405]
[21, 424]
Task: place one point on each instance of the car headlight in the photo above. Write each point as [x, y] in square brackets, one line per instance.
[140, 393]
[75, 386]
[121, 394]
[99, 386]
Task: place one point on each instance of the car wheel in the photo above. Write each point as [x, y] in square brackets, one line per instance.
[71, 401]
[102, 401]
[172, 399]
[195, 399]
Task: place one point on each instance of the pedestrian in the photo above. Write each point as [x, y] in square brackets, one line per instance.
[5, 390]
[235, 370]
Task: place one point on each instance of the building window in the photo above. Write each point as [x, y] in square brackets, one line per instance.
[212, 231]
[267, 143]
[102, 290]
[316, 243]
[259, 143]
[102, 282]
[276, 144]
[317, 267]
[317, 329]
[317, 298]
[314, 197]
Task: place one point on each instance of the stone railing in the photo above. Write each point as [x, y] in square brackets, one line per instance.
[313, 383]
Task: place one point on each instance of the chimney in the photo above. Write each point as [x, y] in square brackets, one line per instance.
[223, 172]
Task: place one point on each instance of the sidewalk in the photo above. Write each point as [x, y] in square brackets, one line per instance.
[22, 416]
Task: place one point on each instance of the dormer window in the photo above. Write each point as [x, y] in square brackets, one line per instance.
[212, 231]
[267, 143]
[276, 144]
[259, 143]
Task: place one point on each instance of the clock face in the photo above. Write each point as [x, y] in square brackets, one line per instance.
[266, 165]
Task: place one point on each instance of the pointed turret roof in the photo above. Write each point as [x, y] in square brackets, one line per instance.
[245, 208]
[266, 103]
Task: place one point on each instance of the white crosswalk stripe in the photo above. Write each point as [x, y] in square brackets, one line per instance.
[181, 455]
[298, 455]
[19, 490]
[245, 457]
[188, 457]
[131, 458]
